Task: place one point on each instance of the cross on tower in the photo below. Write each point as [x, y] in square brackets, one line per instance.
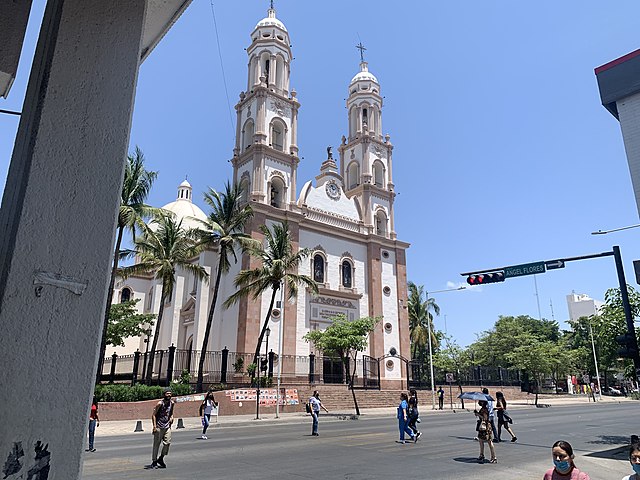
[362, 49]
[271, 4]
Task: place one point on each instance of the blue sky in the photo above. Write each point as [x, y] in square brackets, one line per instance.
[503, 152]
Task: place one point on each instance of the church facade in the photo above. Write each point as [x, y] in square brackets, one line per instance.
[345, 217]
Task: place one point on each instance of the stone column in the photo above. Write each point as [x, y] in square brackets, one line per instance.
[57, 227]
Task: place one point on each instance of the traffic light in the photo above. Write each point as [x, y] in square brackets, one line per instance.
[482, 278]
[628, 345]
[264, 364]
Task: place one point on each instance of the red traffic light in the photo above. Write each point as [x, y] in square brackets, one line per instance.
[482, 278]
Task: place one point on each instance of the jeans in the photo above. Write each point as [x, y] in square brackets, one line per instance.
[314, 428]
[493, 427]
[404, 428]
[92, 432]
[205, 422]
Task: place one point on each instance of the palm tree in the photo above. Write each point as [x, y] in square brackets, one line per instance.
[133, 210]
[163, 247]
[279, 261]
[223, 227]
[419, 317]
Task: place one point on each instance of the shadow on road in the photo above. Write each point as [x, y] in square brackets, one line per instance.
[611, 440]
[617, 453]
[466, 460]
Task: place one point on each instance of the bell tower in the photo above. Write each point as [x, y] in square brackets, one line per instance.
[265, 157]
[366, 156]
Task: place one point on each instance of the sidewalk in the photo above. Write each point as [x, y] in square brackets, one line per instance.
[123, 427]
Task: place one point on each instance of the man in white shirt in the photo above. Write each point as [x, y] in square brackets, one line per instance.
[491, 416]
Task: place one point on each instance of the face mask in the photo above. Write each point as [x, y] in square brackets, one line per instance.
[636, 467]
[562, 466]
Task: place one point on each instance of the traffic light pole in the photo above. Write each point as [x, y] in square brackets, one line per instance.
[500, 274]
[627, 310]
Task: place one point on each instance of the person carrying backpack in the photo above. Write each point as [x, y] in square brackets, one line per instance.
[315, 405]
[206, 408]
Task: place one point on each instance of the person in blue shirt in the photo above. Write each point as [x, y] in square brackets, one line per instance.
[403, 419]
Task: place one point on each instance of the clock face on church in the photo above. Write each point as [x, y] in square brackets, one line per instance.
[333, 190]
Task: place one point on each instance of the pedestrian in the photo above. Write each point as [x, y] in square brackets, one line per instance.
[503, 417]
[206, 408]
[94, 422]
[316, 405]
[485, 434]
[161, 420]
[492, 420]
[440, 398]
[403, 419]
[634, 459]
[413, 412]
[564, 467]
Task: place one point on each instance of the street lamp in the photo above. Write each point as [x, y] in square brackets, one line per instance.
[433, 386]
[604, 232]
[595, 360]
[280, 358]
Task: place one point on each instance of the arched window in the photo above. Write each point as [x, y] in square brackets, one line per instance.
[381, 224]
[277, 135]
[378, 174]
[353, 122]
[247, 135]
[353, 175]
[276, 195]
[365, 119]
[347, 271]
[318, 268]
[279, 72]
[245, 185]
[125, 295]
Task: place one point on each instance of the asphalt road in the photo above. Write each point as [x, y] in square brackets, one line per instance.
[366, 448]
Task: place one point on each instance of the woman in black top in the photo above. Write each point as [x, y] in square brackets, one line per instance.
[503, 418]
[413, 412]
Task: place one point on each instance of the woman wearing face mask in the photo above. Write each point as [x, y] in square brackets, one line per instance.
[564, 468]
[634, 458]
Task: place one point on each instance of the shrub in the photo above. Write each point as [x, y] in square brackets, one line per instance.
[137, 393]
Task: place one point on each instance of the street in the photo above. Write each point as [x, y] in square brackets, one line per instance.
[366, 448]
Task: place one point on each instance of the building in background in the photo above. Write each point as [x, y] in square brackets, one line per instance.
[581, 305]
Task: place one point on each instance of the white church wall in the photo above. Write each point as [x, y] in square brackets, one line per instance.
[225, 323]
[139, 291]
[390, 311]
[318, 198]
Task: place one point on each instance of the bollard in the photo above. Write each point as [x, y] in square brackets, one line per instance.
[180, 423]
[139, 426]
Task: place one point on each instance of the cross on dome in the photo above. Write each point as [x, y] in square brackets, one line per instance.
[360, 47]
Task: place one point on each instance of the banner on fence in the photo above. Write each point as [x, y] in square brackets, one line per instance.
[268, 396]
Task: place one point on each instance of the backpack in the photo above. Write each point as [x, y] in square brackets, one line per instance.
[307, 407]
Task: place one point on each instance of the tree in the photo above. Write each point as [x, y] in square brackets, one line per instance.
[163, 247]
[453, 358]
[125, 322]
[133, 210]
[223, 227]
[344, 339]
[419, 317]
[533, 356]
[279, 261]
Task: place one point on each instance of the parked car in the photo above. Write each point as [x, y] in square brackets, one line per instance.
[613, 391]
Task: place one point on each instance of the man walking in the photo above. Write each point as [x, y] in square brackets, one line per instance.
[161, 420]
[316, 405]
[440, 398]
[491, 416]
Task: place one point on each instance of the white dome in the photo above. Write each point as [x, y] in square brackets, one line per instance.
[186, 211]
[271, 21]
[364, 74]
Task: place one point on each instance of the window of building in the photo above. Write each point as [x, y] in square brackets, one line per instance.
[381, 224]
[347, 271]
[125, 295]
[365, 120]
[277, 136]
[378, 174]
[353, 175]
[318, 268]
[276, 193]
[247, 135]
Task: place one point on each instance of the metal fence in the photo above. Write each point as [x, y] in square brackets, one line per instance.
[420, 375]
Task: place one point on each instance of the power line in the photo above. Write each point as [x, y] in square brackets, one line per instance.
[224, 77]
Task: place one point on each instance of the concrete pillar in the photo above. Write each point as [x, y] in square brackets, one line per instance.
[57, 226]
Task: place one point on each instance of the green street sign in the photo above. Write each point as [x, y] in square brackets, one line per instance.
[524, 269]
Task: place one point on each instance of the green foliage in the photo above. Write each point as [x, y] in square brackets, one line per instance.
[136, 393]
[238, 365]
[452, 358]
[251, 369]
[125, 322]
[420, 316]
[343, 338]
[185, 377]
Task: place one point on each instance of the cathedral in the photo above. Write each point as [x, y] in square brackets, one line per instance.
[345, 217]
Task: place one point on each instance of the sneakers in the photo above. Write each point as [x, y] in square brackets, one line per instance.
[401, 441]
[161, 463]
[92, 450]
[204, 437]
[481, 459]
[418, 435]
[493, 460]
[514, 439]
[475, 438]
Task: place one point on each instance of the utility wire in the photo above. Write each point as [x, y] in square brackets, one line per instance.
[224, 78]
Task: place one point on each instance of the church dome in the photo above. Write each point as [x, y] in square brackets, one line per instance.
[184, 209]
[271, 21]
[364, 74]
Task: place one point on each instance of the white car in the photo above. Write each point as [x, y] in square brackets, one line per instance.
[614, 391]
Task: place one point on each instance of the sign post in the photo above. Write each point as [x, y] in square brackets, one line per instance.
[450, 381]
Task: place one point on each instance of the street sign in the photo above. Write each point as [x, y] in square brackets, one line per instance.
[553, 264]
[524, 269]
[449, 377]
